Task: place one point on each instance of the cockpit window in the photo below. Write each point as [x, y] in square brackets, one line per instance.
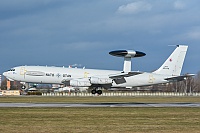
[12, 69]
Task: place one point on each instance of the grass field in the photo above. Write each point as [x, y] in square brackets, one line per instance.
[50, 120]
[107, 119]
[97, 99]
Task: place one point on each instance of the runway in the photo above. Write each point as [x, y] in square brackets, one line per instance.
[99, 105]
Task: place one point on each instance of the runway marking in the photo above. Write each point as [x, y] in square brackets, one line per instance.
[33, 105]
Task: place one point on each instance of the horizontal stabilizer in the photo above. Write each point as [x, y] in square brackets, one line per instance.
[179, 78]
[122, 75]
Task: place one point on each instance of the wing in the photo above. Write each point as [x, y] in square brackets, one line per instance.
[119, 78]
[122, 75]
[98, 80]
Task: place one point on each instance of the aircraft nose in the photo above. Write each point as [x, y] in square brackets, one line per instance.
[5, 74]
[8, 76]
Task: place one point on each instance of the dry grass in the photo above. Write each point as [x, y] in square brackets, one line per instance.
[96, 99]
[60, 120]
[50, 120]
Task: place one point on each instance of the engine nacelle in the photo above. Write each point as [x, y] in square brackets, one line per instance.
[95, 80]
[80, 83]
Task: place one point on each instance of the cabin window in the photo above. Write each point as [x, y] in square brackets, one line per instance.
[11, 70]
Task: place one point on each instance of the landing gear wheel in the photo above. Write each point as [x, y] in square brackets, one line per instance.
[99, 92]
[93, 91]
[23, 87]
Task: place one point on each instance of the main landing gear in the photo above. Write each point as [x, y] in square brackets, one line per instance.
[94, 91]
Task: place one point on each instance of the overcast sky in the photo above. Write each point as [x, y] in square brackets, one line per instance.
[66, 32]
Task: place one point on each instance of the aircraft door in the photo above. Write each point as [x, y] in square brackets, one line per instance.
[23, 71]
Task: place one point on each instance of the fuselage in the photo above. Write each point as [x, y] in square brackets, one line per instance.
[58, 75]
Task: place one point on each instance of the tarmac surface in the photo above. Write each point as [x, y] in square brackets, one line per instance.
[99, 105]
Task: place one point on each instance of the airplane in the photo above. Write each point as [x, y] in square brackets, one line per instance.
[76, 77]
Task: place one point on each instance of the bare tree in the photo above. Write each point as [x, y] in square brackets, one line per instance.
[197, 82]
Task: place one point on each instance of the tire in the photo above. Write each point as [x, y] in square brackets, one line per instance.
[93, 91]
[99, 92]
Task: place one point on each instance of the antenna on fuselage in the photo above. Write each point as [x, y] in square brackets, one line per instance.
[127, 54]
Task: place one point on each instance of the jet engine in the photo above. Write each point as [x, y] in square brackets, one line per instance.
[80, 83]
[95, 80]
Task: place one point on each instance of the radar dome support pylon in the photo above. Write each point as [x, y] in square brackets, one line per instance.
[127, 54]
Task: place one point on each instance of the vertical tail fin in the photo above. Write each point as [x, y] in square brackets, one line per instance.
[173, 65]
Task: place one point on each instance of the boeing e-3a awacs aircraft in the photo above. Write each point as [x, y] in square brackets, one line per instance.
[170, 71]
